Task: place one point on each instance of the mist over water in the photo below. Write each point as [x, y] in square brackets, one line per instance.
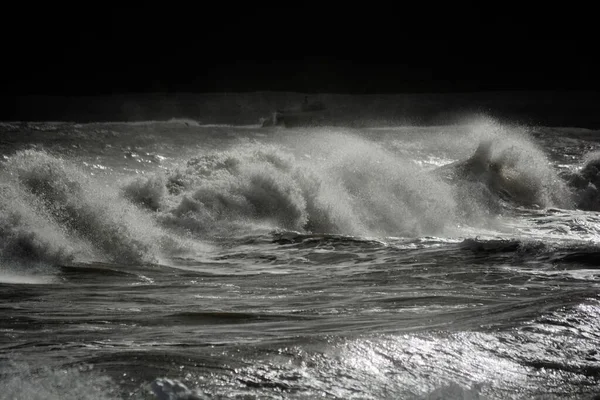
[179, 260]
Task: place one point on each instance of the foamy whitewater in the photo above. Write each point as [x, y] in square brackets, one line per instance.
[176, 260]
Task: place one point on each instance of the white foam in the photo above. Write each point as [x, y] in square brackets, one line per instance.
[23, 279]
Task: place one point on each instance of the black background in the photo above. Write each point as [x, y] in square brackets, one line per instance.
[225, 47]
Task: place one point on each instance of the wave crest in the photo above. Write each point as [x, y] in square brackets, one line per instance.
[55, 210]
[363, 190]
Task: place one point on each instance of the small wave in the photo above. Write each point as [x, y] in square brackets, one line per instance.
[585, 182]
[20, 278]
[172, 121]
[493, 246]
[251, 126]
[172, 389]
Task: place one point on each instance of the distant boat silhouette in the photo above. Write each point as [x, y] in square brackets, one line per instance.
[306, 114]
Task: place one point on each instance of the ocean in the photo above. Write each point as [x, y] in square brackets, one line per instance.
[184, 259]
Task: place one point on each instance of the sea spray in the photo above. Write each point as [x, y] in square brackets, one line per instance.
[321, 181]
[84, 210]
[506, 165]
[360, 190]
[27, 233]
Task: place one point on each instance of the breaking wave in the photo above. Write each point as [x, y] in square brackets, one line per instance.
[53, 212]
[365, 191]
[585, 182]
[320, 182]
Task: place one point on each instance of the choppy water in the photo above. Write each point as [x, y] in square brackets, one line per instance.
[173, 260]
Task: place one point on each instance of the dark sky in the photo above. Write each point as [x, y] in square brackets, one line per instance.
[309, 49]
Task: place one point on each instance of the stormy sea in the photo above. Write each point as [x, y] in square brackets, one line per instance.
[182, 258]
